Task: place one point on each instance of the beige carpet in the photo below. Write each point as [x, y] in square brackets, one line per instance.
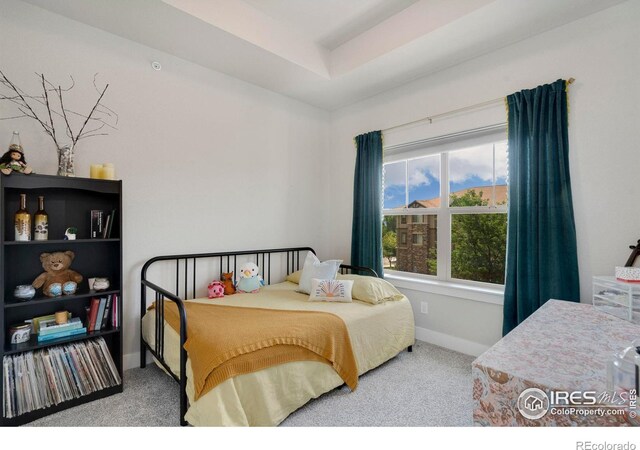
[429, 387]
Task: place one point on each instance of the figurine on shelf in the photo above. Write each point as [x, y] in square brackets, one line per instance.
[101, 284]
[70, 234]
[13, 159]
[24, 292]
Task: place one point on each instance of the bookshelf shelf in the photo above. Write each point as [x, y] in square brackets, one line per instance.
[33, 344]
[39, 413]
[68, 202]
[63, 242]
[48, 300]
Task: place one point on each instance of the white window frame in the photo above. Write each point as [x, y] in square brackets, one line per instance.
[443, 146]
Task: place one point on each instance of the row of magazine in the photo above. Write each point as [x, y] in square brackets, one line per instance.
[43, 378]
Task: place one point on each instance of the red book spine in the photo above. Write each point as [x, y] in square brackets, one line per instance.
[95, 304]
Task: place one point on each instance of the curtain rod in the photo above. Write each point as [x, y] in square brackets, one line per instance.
[454, 111]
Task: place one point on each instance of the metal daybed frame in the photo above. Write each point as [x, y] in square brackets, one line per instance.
[225, 260]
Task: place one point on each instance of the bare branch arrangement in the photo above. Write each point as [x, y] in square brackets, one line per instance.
[48, 106]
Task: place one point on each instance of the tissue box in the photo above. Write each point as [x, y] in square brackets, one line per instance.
[628, 274]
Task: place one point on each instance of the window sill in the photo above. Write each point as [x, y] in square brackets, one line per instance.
[448, 288]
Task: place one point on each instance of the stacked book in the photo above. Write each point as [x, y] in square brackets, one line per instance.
[42, 378]
[49, 330]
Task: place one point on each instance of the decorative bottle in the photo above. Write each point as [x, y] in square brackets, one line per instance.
[23, 221]
[15, 143]
[41, 222]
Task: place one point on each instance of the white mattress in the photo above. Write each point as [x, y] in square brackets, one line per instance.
[267, 397]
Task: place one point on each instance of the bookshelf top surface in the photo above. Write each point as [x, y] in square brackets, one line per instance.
[36, 181]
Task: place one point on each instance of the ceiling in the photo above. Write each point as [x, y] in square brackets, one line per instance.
[330, 23]
[328, 53]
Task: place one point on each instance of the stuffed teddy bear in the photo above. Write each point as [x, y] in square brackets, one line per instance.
[250, 280]
[227, 280]
[57, 278]
[216, 289]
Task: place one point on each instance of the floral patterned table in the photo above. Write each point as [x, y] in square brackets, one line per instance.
[562, 346]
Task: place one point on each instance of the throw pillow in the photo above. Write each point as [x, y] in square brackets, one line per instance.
[294, 277]
[372, 290]
[313, 268]
[331, 290]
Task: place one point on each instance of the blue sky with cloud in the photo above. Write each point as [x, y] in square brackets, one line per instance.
[468, 167]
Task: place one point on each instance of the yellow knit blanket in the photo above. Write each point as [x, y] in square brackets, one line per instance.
[225, 341]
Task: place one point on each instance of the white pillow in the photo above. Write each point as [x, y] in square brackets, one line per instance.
[372, 290]
[313, 268]
[331, 290]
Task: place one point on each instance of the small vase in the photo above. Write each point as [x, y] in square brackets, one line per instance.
[66, 159]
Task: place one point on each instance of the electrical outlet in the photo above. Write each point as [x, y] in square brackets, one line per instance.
[424, 307]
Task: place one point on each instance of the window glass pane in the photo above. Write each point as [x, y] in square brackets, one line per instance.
[410, 246]
[502, 168]
[395, 184]
[478, 247]
[471, 176]
[424, 182]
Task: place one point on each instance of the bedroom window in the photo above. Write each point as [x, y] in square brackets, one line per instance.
[453, 205]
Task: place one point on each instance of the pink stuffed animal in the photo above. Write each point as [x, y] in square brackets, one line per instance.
[216, 289]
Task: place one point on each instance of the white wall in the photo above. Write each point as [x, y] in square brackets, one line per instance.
[213, 163]
[601, 52]
[208, 162]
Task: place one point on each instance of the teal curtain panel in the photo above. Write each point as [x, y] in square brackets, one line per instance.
[366, 235]
[542, 261]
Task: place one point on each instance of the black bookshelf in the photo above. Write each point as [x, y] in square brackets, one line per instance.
[68, 202]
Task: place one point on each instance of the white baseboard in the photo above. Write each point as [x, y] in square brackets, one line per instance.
[131, 360]
[450, 342]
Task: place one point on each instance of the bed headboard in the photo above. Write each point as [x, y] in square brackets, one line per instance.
[187, 275]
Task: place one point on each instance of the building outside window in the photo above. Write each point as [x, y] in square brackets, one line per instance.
[453, 204]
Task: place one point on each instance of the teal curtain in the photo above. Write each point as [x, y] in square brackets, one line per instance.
[542, 261]
[366, 233]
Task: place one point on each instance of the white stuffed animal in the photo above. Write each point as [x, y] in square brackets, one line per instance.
[249, 278]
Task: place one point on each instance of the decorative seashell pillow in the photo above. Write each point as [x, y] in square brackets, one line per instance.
[330, 290]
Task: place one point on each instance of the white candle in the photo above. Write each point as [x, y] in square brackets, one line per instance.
[108, 173]
[95, 171]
